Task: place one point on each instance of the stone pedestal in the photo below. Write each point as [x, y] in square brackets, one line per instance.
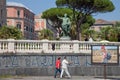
[65, 46]
[65, 38]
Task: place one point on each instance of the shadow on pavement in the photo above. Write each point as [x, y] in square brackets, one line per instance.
[111, 78]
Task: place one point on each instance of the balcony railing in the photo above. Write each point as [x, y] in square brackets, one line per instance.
[46, 46]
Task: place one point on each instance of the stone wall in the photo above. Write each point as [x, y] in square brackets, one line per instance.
[44, 65]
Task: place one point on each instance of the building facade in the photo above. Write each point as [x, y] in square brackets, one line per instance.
[2, 12]
[100, 24]
[21, 17]
[41, 23]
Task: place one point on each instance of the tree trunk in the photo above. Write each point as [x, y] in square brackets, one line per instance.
[79, 29]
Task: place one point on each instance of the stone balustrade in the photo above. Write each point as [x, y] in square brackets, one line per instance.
[46, 46]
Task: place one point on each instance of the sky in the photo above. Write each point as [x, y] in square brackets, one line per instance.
[38, 6]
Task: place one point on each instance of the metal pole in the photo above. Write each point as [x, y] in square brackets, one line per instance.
[105, 71]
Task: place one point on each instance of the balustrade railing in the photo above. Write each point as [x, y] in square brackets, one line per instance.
[46, 46]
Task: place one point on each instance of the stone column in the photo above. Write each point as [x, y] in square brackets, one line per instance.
[75, 46]
[11, 46]
[45, 46]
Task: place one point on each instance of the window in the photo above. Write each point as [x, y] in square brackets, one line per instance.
[27, 28]
[1, 13]
[18, 25]
[18, 13]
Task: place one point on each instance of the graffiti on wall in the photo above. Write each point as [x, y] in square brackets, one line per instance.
[36, 60]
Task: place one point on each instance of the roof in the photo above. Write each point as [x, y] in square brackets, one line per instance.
[100, 21]
[17, 5]
[38, 16]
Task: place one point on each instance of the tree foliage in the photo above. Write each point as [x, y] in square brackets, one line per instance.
[46, 34]
[117, 28]
[53, 12]
[51, 16]
[109, 33]
[7, 32]
[85, 8]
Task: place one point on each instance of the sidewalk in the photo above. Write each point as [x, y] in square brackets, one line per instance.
[52, 78]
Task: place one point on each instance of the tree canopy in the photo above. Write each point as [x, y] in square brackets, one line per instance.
[51, 16]
[85, 8]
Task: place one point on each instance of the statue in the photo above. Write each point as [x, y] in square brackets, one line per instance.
[66, 24]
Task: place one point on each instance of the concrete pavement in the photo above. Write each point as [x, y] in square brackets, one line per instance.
[52, 78]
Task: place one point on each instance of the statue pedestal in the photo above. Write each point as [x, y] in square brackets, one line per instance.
[65, 38]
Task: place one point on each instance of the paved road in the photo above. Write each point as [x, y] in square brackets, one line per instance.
[52, 78]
